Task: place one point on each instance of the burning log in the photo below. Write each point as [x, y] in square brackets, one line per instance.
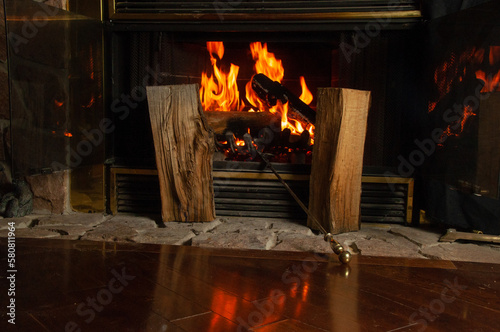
[184, 146]
[239, 122]
[305, 140]
[335, 185]
[271, 91]
[247, 138]
[231, 141]
[285, 137]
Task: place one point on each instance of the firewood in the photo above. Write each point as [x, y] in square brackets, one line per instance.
[239, 122]
[184, 145]
[271, 91]
[335, 185]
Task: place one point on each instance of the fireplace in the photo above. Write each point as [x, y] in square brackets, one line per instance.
[368, 45]
[95, 116]
[325, 46]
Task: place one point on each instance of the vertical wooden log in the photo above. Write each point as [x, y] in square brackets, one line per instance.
[184, 146]
[335, 186]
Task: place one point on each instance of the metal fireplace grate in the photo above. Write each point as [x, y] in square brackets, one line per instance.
[256, 193]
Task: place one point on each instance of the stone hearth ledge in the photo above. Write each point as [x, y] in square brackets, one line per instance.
[389, 240]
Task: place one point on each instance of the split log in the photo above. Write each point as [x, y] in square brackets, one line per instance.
[184, 146]
[239, 122]
[335, 185]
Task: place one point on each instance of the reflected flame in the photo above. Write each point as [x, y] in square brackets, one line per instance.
[468, 112]
[491, 82]
[480, 63]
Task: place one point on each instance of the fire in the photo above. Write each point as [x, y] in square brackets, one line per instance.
[266, 63]
[491, 82]
[480, 63]
[468, 112]
[488, 58]
[220, 91]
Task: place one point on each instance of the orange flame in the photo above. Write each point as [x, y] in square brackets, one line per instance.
[306, 95]
[266, 63]
[468, 112]
[220, 91]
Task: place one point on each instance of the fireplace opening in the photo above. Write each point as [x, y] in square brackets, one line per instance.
[388, 66]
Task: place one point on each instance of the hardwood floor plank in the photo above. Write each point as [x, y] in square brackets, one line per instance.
[288, 325]
[137, 287]
[209, 322]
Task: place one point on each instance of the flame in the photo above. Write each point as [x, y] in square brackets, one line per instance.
[266, 63]
[90, 104]
[482, 63]
[220, 91]
[239, 142]
[491, 82]
[468, 112]
[306, 95]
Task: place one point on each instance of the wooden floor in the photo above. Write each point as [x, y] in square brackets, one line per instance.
[92, 286]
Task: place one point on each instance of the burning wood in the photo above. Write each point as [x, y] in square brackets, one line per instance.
[225, 110]
[231, 141]
[271, 91]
